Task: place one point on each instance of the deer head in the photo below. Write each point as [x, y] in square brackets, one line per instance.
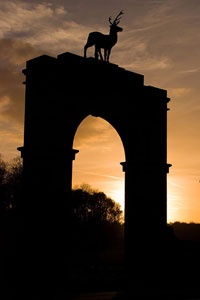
[113, 25]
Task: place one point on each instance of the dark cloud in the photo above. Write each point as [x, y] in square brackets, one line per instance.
[13, 55]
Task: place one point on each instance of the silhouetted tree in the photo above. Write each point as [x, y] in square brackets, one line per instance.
[3, 172]
[13, 181]
[2, 169]
[10, 183]
[97, 226]
[90, 205]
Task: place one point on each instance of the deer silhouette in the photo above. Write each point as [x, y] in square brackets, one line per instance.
[104, 41]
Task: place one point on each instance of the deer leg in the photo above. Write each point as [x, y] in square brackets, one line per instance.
[85, 50]
[108, 54]
[100, 54]
[89, 43]
[96, 55]
[105, 54]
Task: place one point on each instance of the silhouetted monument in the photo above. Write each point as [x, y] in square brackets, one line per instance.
[104, 41]
[60, 93]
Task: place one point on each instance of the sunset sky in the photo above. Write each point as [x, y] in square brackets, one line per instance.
[161, 40]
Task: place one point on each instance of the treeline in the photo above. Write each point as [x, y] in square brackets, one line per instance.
[186, 231]
[90, 207]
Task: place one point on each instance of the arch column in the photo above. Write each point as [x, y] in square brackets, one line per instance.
[46, 213]
[145, 211]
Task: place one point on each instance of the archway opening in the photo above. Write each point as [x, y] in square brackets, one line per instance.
[98, 161]
[97, 165]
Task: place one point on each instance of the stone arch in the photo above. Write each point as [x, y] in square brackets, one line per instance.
[60, 93]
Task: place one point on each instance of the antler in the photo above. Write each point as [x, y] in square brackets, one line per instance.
[110, 20]
[117, 19]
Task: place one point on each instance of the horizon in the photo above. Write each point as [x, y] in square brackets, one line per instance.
[156, 40]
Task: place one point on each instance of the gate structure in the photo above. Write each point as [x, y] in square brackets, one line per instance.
[60, 93]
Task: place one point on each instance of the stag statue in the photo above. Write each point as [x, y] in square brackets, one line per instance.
[104, 41]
